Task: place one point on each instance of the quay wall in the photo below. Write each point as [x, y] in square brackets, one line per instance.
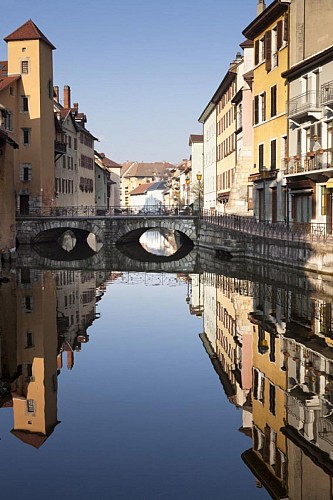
[225, 242]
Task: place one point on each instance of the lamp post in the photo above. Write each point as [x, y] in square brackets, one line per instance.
[187, 182]
[199, 177]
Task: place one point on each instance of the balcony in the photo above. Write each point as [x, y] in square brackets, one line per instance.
[60, 148]
[303, 106]
[326, 94]
[299, 164]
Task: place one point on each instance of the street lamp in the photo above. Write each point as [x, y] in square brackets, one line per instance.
[199, 177]
[187, 182]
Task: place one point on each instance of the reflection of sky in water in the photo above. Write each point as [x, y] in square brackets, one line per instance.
[159, 243]
[143, 414]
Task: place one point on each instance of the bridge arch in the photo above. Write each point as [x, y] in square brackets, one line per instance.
[138, 226]
[50, 229]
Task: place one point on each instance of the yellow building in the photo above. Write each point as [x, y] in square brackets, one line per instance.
[34, 391]
[28, 96]
[269, 32]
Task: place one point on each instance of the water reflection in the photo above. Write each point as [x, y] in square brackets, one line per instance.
[161, 242]
[270, 344]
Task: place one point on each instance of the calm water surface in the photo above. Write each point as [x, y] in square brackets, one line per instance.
[143, 414]
[140, 385]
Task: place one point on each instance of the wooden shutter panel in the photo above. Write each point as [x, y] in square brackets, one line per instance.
[286, 27]
[279, 34]
[314, 199]
[256, 52]
[268, 50]
[256, 109]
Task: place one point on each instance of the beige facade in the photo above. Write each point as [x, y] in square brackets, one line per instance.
[134, 174]
[7, 198]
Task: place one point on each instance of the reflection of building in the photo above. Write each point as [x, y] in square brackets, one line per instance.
[309, 424]
[195, 294]
[229, 346]
[267, 459]
[76, 306]
[292, 394]
[34, 389]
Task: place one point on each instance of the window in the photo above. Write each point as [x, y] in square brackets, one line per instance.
[30, 405]
[24, 67]
[11, 90]
[260, 108]
[29, 340]
[25, 174]
[274, 48]
[273, 154]
[273, 100]
[8, 120]
[25, 276]
[24, 104]
[272, 399]
[26, 136]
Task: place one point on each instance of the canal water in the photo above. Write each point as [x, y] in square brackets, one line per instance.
[211, 382]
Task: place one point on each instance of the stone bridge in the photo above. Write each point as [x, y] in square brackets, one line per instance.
[106, 230]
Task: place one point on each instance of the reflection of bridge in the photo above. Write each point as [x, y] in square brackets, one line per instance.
[106, 229]
[107, 259]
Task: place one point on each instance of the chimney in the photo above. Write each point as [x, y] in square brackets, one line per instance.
[56, 94]
[67, 97]
[261, 7]
[76, 106]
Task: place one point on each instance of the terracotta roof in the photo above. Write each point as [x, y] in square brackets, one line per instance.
[141, 189]
[5, 82]
[195, 138]
[28, 31]
[246, 44]
[107, 162]
[136, 169]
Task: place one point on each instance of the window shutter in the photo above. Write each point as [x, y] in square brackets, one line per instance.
[286, 27]
[256, 109]
[268, 50]
[279, 34]
[256, 52]
[273, 155]
[273, 101]
[314, 200]
[261, 157]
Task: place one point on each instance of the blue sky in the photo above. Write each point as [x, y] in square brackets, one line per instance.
[141, 70]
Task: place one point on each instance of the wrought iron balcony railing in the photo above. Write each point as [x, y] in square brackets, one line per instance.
[303, 103]
[319, 160]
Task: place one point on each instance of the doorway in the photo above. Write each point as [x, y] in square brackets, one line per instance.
[24, 204]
